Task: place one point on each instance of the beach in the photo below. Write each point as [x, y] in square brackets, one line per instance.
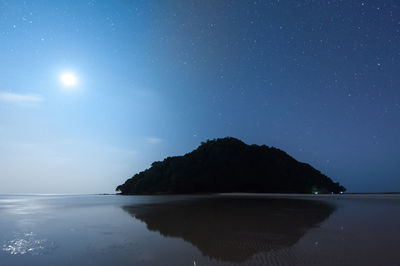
[225, 229]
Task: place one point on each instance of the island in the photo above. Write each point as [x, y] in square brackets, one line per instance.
[228, 165]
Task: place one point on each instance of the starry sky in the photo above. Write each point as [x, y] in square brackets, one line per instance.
[317, 79]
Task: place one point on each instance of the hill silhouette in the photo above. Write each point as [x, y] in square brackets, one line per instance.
[229, 165]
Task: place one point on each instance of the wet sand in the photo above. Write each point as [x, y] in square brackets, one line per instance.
[226, 229]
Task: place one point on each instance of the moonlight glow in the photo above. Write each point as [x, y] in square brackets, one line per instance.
[68, 79]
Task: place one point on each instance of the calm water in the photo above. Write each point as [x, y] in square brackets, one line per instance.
[200, 230]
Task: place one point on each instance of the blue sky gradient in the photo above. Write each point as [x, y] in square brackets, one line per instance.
[318, 79]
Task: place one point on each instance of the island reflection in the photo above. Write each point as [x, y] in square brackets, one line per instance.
[233, 229]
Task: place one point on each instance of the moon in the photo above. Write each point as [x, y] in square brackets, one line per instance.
[68, 79]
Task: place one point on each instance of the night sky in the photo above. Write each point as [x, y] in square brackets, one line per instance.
[317, 79]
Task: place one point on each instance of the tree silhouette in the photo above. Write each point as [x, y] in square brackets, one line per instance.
[230, 165]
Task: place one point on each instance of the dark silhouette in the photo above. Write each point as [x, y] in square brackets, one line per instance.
[234, 228]
[230, 165]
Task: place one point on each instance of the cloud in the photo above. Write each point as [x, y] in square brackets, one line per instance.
[20, 98]
[152, 140]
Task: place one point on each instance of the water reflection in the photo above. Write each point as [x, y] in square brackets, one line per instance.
[234, 229]
[27, 243]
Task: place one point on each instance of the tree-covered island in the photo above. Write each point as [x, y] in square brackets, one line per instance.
[229, 165]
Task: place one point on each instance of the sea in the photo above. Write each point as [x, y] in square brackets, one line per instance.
[218, 229]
